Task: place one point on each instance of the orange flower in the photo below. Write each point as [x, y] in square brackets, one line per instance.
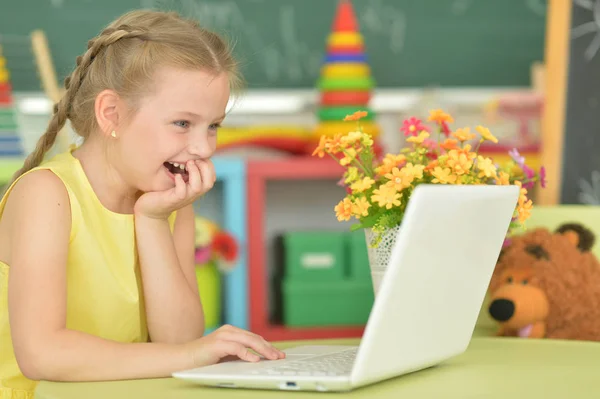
[358, 115]
[439, 116]
[335, 144]
[432, 165]
[503, 179]
[320, 150]
[390, 162]
[459, 162]
[449, 144]
[343, 210]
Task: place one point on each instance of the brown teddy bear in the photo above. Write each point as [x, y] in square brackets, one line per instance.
[547, 285]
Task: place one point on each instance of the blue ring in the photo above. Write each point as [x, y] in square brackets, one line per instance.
[345, 57]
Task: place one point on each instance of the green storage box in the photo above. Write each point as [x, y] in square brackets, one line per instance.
[315, 255]
[358, 262]
[326, 303]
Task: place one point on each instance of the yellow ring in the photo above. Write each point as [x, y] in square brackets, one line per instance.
[4, 75]
[346, 70]
[345, 39]
[330, 129]
[234, 135]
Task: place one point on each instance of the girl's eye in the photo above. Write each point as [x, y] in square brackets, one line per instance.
[182, 124]
[214, 127]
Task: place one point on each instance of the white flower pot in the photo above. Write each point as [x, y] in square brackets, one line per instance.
[379, 256]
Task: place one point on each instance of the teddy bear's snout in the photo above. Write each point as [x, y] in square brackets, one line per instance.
[502, 309]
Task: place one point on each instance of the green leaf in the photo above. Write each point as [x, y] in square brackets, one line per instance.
[357, 226]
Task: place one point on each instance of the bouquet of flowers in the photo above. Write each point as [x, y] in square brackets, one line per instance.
[378, 190]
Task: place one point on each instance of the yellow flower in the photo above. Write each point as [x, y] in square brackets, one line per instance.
[415, 170]
[486, 134]
[350, 156]
[351, 175]
[366, 140]
[463, 134]
[343, 210]
[459, 161]
[351, 138]
[386, 196]
[389, 162]
[524, 209]
[362, 185]
[443, 175]
[418, 139]
[360, 207]
[486, 167]
[439, 116]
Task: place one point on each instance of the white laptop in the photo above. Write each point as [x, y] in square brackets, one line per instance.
[427, 306]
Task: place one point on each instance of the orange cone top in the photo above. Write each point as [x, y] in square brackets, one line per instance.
[345, 19]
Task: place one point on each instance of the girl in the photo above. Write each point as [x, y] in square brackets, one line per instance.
[97, 274]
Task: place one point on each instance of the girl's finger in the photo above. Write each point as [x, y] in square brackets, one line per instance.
[255, 342]
[180, 189]
[237, 330]
[235, 348]
[207, 171]
[195, 180]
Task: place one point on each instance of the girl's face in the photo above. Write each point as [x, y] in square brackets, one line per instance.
[176, 123]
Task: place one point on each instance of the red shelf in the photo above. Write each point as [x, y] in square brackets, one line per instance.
[258, 173]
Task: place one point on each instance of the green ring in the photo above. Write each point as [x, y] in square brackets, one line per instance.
[354, 84]
[339, 113]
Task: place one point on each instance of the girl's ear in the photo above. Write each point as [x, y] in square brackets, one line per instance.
[107, 111]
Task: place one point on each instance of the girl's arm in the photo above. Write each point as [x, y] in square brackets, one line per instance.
[38, 218]
[173, 308]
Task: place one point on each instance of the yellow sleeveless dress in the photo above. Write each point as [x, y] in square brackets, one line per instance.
[104, 291]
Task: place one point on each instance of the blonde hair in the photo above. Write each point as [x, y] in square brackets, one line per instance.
[124, 58]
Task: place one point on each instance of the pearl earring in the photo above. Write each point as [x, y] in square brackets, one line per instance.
[113, 134]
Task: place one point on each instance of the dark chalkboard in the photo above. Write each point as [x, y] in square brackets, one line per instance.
[581, 151]
[282, 42]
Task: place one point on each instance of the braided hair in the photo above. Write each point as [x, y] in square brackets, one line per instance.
[124, 58]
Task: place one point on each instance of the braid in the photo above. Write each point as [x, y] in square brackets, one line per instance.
[72, 84]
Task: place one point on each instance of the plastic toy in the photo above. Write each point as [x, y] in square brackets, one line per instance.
[345, 81]
[10, 141]
[216, 252]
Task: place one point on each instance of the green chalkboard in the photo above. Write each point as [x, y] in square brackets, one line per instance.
[281, 43]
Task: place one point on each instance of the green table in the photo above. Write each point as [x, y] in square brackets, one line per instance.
[490, 368]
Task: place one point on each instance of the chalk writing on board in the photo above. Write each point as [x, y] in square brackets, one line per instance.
[386, 21]
[590, 191]
[592, 27]
[538, 7]
[289, 57]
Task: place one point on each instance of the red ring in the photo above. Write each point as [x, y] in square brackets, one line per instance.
[345, 97]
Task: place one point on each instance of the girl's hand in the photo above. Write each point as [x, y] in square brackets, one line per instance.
[230, 342]
[160, 204]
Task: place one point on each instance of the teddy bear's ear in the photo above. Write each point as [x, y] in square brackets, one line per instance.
[579, 235]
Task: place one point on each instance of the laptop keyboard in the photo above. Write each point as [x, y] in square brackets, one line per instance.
[331, 364]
